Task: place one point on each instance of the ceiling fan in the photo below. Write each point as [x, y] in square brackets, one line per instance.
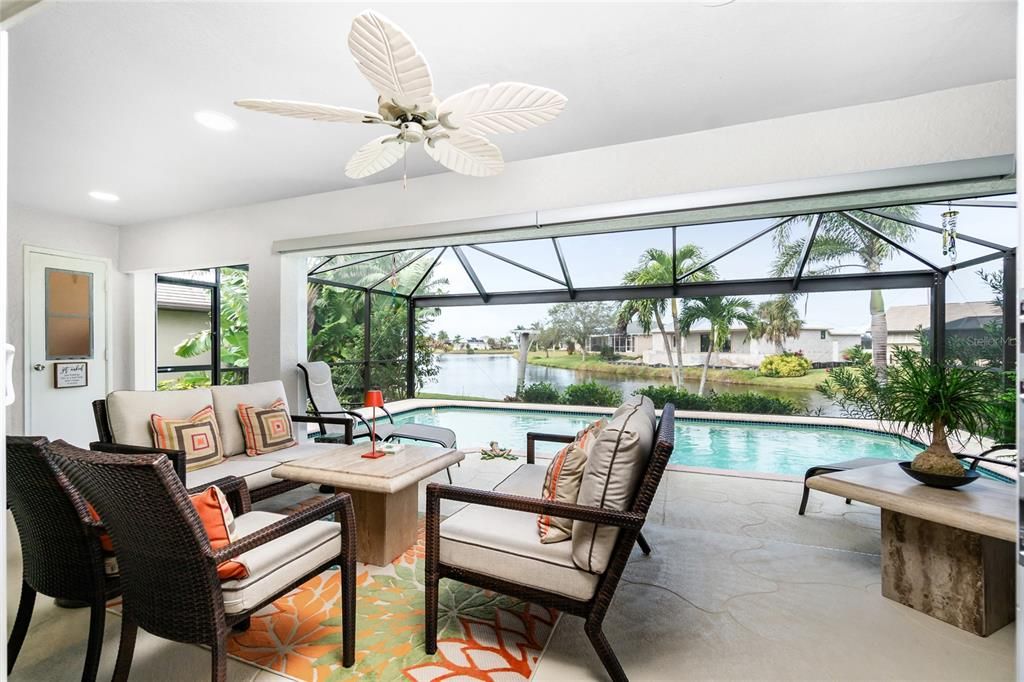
[452, 131]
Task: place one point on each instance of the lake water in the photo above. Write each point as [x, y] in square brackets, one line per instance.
[494, 376]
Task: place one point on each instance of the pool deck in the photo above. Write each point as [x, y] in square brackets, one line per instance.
[738, 587]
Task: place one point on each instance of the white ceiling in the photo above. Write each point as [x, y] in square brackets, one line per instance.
[103, 93]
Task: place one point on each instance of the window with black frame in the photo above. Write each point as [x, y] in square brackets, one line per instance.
[202, 327]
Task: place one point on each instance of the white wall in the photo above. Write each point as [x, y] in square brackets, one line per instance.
[28, 226]
[962, 123]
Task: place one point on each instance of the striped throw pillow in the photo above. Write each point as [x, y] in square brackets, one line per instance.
[562, 482]
[198, 436]
[266, 429]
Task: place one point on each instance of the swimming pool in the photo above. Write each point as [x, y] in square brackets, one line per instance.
[739, 446]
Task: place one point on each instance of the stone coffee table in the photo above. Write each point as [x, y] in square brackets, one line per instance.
[384, 491]
[948, 553]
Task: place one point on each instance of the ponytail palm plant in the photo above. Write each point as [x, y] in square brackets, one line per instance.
[921, 400]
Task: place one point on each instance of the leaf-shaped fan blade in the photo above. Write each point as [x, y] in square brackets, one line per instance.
[308, 110]
[374, 157]
[390, 61]
[467, 154]
[501, 108]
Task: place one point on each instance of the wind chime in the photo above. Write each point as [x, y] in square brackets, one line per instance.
[949, 232]
[394, 281]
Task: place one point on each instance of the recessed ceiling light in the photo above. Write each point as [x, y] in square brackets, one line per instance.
[104, 196]
[215, 120]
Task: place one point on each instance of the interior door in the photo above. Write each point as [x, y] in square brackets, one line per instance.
[66, 341]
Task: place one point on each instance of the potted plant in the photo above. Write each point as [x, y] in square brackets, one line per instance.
[919, 399]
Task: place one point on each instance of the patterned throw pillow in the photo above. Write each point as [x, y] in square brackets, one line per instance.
[266, 429]
[215, 514]
[198, 436]
[562, 482]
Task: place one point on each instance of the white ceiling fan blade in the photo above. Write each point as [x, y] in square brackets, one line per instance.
[467, 154]
[308, 110]
[501, 108]
[390, 61]
[375, 156]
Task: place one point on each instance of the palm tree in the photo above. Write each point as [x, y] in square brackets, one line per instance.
[839, 240]
[778, 320]
[722, 312]
[655, 268]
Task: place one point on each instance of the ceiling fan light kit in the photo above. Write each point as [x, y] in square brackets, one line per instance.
[453, 131]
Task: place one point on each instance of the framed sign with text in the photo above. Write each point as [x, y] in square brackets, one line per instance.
[70, 374]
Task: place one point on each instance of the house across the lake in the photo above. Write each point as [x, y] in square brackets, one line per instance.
[818, 343]
[966, 320]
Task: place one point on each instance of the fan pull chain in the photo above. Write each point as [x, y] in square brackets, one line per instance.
[405, 169]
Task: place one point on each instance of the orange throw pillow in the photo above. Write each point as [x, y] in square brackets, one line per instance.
[215, 514]
[266, 429]
[219, 522]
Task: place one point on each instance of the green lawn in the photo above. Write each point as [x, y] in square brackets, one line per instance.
[563, 360]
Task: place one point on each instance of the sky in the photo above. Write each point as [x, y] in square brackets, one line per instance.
[602, 260]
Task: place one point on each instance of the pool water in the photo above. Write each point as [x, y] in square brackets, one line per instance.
[739, 446]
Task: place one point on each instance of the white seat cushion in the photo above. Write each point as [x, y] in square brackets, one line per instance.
[503, 543]
[279, 563]
[305, 448]
[128, 411]
[225, 404]
[255, 470]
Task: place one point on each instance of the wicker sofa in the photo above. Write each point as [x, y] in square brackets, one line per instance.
[122, 422]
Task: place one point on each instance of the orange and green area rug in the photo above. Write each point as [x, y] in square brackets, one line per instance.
[481, 635]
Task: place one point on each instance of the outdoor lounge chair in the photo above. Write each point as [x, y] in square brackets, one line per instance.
[168, 567]
[324, 401]
[493, 541]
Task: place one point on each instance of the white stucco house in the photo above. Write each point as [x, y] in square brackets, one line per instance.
[818, 343]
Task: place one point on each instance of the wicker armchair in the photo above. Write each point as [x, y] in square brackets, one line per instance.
[601, 587]
[59, 544]
[169, 570]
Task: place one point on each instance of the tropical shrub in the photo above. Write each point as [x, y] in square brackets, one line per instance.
[607, 354]
[541, 392]
[749, 402]
[753, 403]
[856, 355]
[785, 365]
[592, 393]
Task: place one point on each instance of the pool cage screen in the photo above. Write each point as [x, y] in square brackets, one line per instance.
[384, 293]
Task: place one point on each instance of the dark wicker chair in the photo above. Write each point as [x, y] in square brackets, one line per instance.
[168, 568]
[59, 544]
[593, 610]
[105, 443]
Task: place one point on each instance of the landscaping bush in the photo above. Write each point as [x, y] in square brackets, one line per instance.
[749, 402]
[592, 393]
[785, 365]
[856, 355]
[752, 403]
[607, 354]
[541, 392]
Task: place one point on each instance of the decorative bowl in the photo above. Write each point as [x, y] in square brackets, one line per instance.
[940, 480]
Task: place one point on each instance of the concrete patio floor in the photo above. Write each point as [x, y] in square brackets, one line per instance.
[738, 587]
